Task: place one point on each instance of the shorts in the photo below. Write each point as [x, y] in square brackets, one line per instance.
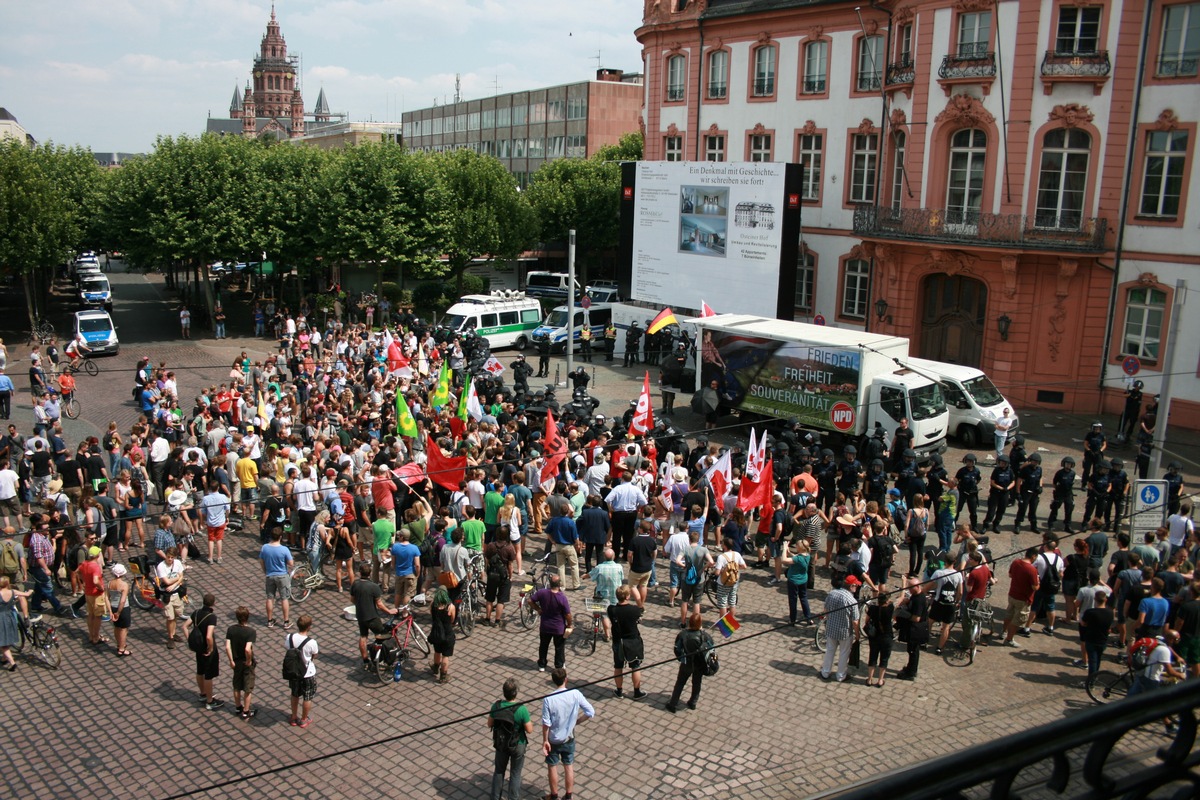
[1189, 650]
[208, 666]
[124, 620]
[761, 540]
[619, 660]
[279, 587]
[304, 688]
[11, 506]
[173, 607]
[1043, 601]
[405, 587]
[639, 580]
[690, 593]
[942, 612]
[216, 534]
[563, 752]
[243, 677]
[374, 626]
[249, 494]
[775, 546]
[498, 591]
[1017, 612]
[676, 577]
[96, 605]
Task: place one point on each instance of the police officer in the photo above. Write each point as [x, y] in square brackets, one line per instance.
[1133, 410]
[1094, 445]
[1099, 487]
[934, 478]
[825, 472]
[876, 446]
[648, 345]
[579, 379]
[1002, 483]
[521, 372]
[633, 337]
[585, 342]
[969, 478]
[610, 340]
[783, 467]
[1142, 462]
[1063, 488]
[1174, 481]
[850, 471]
[909, 480]
[901, 440]
[1118, 485]
[1029, 490]
[876, 482]
[543, 351]
[1016, 454]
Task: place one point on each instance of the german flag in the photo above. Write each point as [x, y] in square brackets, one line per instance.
[664, 318]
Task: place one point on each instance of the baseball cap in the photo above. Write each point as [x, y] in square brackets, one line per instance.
[93, 551]
[894, 492]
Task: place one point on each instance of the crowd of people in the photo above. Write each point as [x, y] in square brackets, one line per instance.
[357, 447]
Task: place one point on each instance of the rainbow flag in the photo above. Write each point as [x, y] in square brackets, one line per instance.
[727, 625]
[664, 318]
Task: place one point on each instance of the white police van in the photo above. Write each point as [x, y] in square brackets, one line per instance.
[505, 318]
[98, 332]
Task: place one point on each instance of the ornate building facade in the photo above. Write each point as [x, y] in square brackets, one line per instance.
[1005, 183]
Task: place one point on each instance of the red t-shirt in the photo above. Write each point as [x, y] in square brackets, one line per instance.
[93, 584]
[1022, 578]
[977, 583]
[381, 494]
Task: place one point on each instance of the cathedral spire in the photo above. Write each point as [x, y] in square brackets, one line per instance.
[235, 105]
[321, 112]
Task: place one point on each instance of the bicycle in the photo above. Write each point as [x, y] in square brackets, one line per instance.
[143, 589]
[526, 613]
[42, 638]
[71, 406]
[42, 331]
[820, 635]
[384, 654]
[961, 652]
[86, 364]
[305, 581]
[590, 624]
[470, 603]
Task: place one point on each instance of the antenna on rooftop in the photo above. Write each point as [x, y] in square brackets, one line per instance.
[457, 88]
[597, 57]
[496, 84]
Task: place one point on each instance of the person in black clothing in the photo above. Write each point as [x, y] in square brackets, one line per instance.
[522, 371]
[1094, 445]
[913, 613]
[901, 440]
[1063, 486]
[1003, 482]
[1029, 490]
[208, 660]
[1098, 492]
[969, 478]
[1118, 485]
[594, 531]
[543, 351]
[1093, 631]
[627, 646]
[879, 634]
[691, 648]
[633, 337]
[1133, 409]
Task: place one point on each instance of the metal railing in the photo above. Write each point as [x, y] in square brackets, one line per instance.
[1178, 67]
[1088, 738]
[901, 72]
[814, 86]
[1046, 232]
[868, 81]
[1059, 64]
[764, 87]
[968, 64]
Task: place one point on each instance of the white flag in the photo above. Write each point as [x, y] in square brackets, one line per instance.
[720, 475]
[473, 406]
[752, 463]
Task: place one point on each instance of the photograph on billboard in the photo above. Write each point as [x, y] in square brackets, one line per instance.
[816, 385]
[708, 229]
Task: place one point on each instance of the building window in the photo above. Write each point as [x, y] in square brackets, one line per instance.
[554, 146]
[764, 71]
[856, 280]
[437, 125]
[760, 147]
[900, 142]
[1144, 310]
[1078, 30]
[577, 146]
[1180, 41]
[556, 110]
[1162, 186]
[904, 44]
[488, 119]
[816, 67]
[864, 160]
[518, 148]
[718, 74]
[964, 189]
[673, 147]
[473, 121]
[505, 148]
[974, 34]
[503, 117]
[870, 63]
[806, 281]
[809, 150]
[577, 108]
[714, 148]
[674, 79]
[537, 112]
[536, 147]
[1063, 179]
[519, 113]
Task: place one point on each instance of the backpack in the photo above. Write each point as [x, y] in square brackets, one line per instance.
[692, 576]
[197, 640]
[495, 565]
[729, 572]
[947, 592]
[1052, 582]
[1139, 652]
[506, 735]
[293, 660]
[10, 564]
[917, 526]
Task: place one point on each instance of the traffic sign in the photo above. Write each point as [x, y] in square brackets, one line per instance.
[819, 319]
[842, 416]
[586, 302]
[1149, 507]
[1131, 365]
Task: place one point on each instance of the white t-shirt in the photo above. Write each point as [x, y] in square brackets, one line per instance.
[1178, 528]
[305, 492]
[310, 649]
[676, 544]
[1156, 664]
[1045, 560]
[475, 493]
[725, 558]
[8, 484]
[170, 572]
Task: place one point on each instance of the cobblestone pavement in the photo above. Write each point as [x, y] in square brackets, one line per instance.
[767, 726]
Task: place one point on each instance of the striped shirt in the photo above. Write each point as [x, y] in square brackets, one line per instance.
[41, 548]
[841, 610]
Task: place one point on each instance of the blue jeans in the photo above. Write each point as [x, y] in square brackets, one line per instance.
[1142, 684]
[945, 530]
[259, 328]
[1095, 652]
[1001, 439]
[43, 590]
[220, 330]
[515, 763]
[798, 592]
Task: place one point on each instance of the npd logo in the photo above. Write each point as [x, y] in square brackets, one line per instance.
[842, 416]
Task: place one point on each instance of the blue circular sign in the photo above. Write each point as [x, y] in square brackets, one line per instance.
[1131, 365]
[1150, 495]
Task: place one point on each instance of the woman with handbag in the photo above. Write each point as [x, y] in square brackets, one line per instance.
[880, 613]
[691, 648]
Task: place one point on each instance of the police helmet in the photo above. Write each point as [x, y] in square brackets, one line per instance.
[1035, 458]
[1117, 463]
[969, 458]
[827, 453]
[850, 450]
[877, 462]
[1104, 464]
[1068, 462]
[910, 454]
[936, 459]
[1097, 424]
[1020, 440]
[1175, 465]
[1138, 385]
[1002, 459]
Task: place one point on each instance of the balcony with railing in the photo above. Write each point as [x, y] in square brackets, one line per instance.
[868, 81]
[1179, 66]
[1066, 232]
[973, 63]
[1075, 67]
[901, 75]
[813, 86]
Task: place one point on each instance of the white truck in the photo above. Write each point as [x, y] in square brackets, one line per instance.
[837, 381]
[973, 400]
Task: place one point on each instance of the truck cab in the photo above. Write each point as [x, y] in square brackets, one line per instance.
[973, 400]
[905, 394]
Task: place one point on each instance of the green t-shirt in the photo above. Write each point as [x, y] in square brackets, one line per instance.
[384, 530]
[473, 531]
[492, 501]
[520, 717]
[797, 571]
[416, 531]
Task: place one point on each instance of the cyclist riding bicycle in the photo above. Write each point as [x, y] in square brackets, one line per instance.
[77, 350]
[66, 386]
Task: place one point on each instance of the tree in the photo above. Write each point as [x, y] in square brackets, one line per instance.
[286, 228]
[584, 195]
[488, 217]
[630, 147]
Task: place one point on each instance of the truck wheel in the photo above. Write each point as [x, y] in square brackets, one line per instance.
[522, 343]
[968, 436]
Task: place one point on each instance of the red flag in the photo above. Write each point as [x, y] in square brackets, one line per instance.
[395, 356]
[458, 428]
[447, 471]
[643, 415]
[410, 473]
[706, 310]
[757, 492]
[555, 449]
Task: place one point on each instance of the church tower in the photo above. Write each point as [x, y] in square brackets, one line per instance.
[249, 114]
[321, 112]
[274, 74]
[297, 115]
[235, 105]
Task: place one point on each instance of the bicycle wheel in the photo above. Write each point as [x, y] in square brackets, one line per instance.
[141, 593]
[21, 639]
[710, 588]
[1107, 685]
[420, 639]
[527, 614]
[46, 645]
[90, 368]
[955, 655]
[44, 329]
[382, 671]
[596, 628]
[466, 614]
[301, 583]
[819, 638]
[72, 408]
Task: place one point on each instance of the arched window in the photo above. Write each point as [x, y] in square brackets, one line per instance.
[816, 67]
[1063, 179]
[764, 71]
[964, 189]
[675, 79]
[718, 74]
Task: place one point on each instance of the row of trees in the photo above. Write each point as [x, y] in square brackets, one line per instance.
[193, 201]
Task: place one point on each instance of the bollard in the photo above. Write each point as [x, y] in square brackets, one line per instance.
[557, 370]
[593, 376]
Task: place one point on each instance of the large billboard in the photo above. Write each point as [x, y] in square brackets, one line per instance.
[709, 231]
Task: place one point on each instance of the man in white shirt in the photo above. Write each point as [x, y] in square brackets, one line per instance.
[304, 494]
[596, 474]
[1180, 527]
[1043, 599]
[215, 507]
[170, 580]
[160, 449]
[946, 588]
[674, 547]
[475, 492]
[10, 504]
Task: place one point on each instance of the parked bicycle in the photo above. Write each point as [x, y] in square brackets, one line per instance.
[42, 331]
[385, 651]
[590, 624]
[977, 618]
[526, 612]
[471, 599]
[305, 581]
[41, 638]
[143, 587]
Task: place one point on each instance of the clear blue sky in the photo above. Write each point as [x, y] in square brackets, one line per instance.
[114, 74]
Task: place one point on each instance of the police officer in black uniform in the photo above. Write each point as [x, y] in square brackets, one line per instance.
[1099, 492]
[1174, 479]
[825, 471]
[633, 337]
[1003, 481]
[1029, 491]
[935, 476]
[1118, 485]
[1063, 487]
[579, 379]
[610, 340]
[1133, 410]
[901, 440]
[876, 482]
[850, 471]
[1094, 445]
[969, 478]
[876, 446]
[1016, 454]
[543, 351]
[521, 372]
[909, 479]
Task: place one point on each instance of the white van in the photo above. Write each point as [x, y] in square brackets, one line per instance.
[973, 400]
[548, 284]
[554, 327]
[505, 318]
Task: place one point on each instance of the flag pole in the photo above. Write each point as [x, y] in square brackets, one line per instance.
[570, 304]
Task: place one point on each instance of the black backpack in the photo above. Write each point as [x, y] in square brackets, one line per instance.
[495, 565]
[506, 734]
[1052, 581]
[293, 660]
[197, 640]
